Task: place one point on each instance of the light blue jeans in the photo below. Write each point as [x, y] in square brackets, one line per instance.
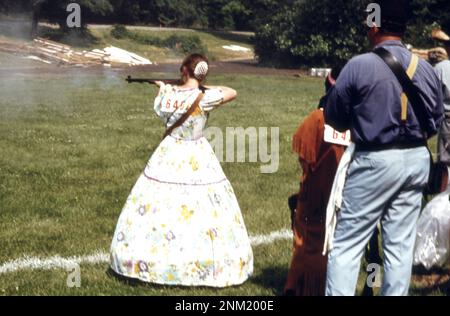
[381, 186]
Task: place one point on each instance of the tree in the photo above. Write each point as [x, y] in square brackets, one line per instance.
[261, 11]
[134, 11]
[220, 13]
[55, 10]
[29, 7]
[427, 15]
[329, 33]
[313, 33]
[177, 12]
[214, 14]
[36, 6]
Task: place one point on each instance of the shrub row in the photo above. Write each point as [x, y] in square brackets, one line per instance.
[185, 44]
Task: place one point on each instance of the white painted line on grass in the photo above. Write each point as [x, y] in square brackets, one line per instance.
[100, 257]
[55, 262]
[271, 238]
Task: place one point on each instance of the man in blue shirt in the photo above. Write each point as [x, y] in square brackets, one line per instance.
[390, 168]
[443, 72]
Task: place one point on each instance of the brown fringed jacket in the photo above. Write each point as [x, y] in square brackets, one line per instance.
[319, 161]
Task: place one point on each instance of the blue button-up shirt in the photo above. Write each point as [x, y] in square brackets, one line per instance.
[443, 73]
[367, 99]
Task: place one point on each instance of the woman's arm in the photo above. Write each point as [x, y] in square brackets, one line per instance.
[229, 94]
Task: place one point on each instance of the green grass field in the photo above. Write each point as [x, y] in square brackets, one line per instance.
[72, 146]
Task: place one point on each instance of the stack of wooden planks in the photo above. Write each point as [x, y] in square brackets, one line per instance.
[12, 47]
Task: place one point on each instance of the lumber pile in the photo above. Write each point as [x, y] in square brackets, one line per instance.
[12, 48]
[56, 53]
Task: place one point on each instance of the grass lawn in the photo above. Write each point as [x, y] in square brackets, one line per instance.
[74, 145]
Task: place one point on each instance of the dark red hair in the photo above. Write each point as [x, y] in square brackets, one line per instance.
[189, 64]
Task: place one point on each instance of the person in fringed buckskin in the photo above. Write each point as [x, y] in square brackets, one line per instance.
[319, 161]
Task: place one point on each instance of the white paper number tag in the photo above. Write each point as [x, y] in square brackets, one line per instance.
[179, 102]
[334, 137]
[174, 103]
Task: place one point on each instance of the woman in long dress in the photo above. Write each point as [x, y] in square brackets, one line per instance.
[181, 224]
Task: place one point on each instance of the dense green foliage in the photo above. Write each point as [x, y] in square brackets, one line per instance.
[328, 33]
[428, 14]
[312, 32]
[211, 14]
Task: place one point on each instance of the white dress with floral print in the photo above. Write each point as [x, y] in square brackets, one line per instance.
[181, 224]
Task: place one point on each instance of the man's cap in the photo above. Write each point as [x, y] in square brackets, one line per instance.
[394, 15]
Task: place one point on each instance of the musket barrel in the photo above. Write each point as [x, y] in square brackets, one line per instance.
[151, 80]
[129, 79]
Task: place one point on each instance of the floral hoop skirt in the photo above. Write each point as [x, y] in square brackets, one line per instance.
[181, 224]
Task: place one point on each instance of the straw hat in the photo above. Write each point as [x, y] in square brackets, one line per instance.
[440, 36]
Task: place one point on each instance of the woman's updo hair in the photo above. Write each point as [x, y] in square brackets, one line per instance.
[196, 66]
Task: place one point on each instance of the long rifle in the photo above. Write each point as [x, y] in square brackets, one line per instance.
[154, 80]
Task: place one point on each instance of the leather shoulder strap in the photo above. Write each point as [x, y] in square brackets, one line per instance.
[409, 88]
[185, 116]
[410, 72]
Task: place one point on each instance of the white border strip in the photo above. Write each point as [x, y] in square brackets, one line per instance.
[271, 238]
[55, 262]
[100, 257]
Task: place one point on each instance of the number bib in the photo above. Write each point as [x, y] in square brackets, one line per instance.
[334, 137]
[179, 102]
